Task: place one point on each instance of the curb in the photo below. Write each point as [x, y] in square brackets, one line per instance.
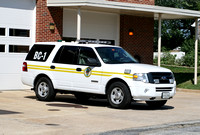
[187, 90]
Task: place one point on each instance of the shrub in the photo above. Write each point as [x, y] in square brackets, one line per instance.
[188, 59]
[179, 62]
[155, 60]
[168, 59]
[189, 48]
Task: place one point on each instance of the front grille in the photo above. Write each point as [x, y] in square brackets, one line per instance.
[161, 77]
[164, 89]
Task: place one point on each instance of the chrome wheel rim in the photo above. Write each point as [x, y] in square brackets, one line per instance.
[43, 89]
[117, 95]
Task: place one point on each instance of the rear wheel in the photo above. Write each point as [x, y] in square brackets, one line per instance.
[156, 104]
[118, 95]
[44, 90]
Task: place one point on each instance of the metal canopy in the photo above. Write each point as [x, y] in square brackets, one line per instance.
[126, 8]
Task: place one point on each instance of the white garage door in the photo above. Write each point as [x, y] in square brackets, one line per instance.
[17, 30]
[94, 26]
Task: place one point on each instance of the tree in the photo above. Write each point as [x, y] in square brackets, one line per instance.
[175, 32]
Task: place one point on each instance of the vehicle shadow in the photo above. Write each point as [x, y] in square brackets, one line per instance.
[144, 106]
[70, 101]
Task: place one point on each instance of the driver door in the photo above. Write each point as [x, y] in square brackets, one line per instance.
[89, 77]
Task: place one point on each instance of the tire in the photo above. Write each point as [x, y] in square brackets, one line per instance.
[82, 97]
[44, 90]
[156, 104]
[118, 95]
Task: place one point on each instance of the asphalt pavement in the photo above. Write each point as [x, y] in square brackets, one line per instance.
[22, 114]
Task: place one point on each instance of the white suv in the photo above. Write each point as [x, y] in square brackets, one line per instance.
[86, 70]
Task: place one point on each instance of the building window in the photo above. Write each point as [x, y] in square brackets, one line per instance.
[19, 32]
[2, 48]
[2, 31]
[69, 39]
[18, 49]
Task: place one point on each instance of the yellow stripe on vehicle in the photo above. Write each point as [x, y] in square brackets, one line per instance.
[72, 70]
[38, 66]
[65, 68]
[66, 71]
[48, 69]
[129, 77]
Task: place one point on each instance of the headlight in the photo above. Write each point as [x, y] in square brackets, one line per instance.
[140, 77]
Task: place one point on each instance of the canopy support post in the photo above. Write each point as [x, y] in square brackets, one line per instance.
[196, 51]
[159, 39]
[79, 24]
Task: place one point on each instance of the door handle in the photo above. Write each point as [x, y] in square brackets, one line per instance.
[79, 69]
[52, 67]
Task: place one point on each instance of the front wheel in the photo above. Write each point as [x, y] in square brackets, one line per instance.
[44, 90]
[156, 104]
[118, 95]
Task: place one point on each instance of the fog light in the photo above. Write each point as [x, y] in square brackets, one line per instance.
[156, 81]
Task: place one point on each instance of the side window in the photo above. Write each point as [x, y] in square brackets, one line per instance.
[2, 31]
[84, 54]
[19, 32]
[2, 48]
[18, 48]
[66, 55]
[40, 52]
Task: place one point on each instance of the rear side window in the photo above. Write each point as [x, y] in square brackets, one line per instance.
[66, 55]
[40, 52]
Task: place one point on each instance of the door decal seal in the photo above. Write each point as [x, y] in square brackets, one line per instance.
[88, 72]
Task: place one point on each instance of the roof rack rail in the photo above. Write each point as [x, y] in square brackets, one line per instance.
[93, 42]
[87, 41]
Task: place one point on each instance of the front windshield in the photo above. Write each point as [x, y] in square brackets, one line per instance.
[115, 55]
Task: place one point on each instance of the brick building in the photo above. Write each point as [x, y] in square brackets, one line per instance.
[135, 45]
[29, 21]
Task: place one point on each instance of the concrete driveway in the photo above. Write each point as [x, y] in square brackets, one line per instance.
[21, 113]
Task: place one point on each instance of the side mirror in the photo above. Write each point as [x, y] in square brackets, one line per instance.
[92, 62]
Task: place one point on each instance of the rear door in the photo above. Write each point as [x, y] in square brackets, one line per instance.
[64, 67]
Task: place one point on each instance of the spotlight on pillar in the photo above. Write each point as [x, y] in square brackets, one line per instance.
[52, 26]
[130, 32]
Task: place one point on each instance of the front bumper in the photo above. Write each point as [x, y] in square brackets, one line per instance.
[149, 92]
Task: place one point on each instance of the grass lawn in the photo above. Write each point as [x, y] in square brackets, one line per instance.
[185, 77]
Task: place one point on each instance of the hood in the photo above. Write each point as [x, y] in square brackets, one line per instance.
[142, 68]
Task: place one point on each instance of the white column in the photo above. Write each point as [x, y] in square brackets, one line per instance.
[159, 39]
[196, 51]
[79, 24]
